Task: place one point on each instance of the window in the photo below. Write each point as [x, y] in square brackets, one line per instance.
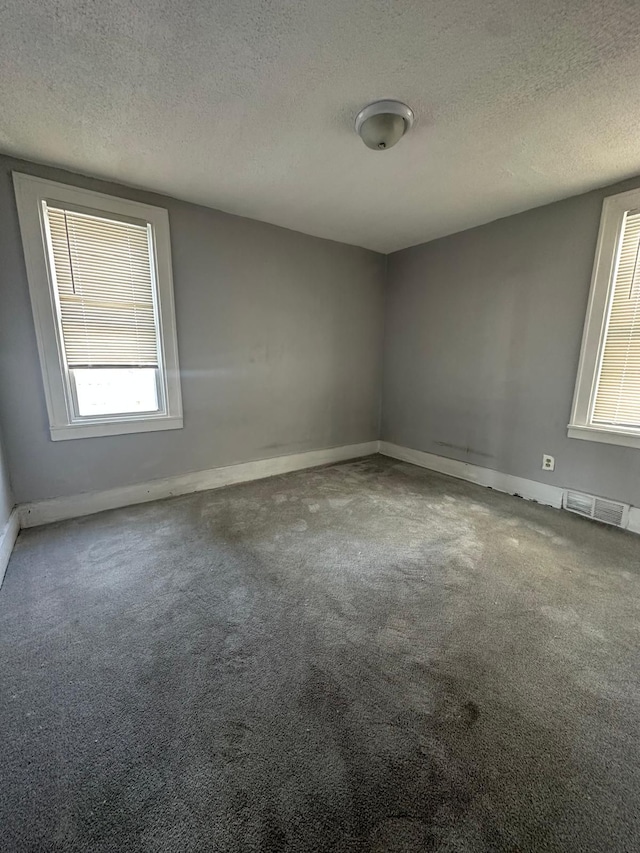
[606, 404]
[99, 271]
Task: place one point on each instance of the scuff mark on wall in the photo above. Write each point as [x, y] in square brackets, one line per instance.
[468, 450]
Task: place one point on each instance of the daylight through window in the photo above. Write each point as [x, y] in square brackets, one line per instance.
[104, 287]
[100, 281]
[617, 398]
[606, 404]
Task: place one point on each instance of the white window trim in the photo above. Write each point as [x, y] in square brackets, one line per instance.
[30, 193]
[580, 426]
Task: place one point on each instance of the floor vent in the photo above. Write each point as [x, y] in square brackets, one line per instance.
[609, 512]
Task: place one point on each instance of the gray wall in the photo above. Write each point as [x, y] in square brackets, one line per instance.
[279, 336]
[482, 339]
[6, 496]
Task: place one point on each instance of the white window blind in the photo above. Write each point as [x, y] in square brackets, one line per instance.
[103, 278]
[617, 398]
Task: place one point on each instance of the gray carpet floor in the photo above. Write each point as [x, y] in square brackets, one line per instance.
[364, 658]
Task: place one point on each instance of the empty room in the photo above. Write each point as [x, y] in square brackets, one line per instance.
[320, 426]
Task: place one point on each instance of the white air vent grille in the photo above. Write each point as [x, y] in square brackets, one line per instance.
[579, 503]
[609, 512]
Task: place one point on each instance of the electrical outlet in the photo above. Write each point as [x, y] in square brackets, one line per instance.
[548, 463]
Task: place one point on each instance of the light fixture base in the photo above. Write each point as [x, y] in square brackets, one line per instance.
[383, 112]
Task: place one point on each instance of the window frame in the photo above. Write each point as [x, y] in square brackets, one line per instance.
[581, 426]
[64, 424]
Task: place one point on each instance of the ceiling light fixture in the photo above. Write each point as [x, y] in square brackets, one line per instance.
[383, 123]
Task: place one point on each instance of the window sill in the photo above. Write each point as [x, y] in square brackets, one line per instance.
[95, 430]
[604, 435]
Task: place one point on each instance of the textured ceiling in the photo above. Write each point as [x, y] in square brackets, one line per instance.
[248, 106]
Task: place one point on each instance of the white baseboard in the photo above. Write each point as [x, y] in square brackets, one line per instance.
[531, 490]
[633, 521]
[8, 537]
[57, 509]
